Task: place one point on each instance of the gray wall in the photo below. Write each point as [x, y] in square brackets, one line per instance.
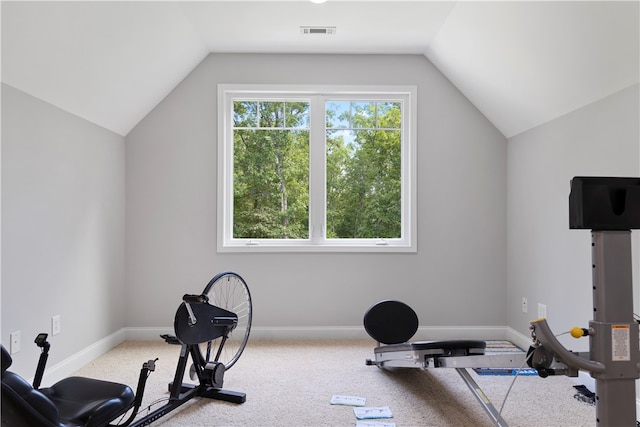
[62, 228]
[63, 212]
[547, 262]
[458, 276]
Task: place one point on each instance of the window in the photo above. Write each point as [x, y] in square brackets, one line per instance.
[316, 168]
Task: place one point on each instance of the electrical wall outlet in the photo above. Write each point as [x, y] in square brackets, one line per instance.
[15, 342]
[542, 311]
[55, 325]
[525, 305]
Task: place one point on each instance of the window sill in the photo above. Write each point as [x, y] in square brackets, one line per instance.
[261, 247]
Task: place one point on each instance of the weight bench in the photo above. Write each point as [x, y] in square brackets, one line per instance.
[393, 323]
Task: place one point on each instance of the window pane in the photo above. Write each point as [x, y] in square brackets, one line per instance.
[338, 114]
[271, 183]
[389, 115]
[363, 115]
[297, 115]
[245, 113]
[364, 191]
[271, 114]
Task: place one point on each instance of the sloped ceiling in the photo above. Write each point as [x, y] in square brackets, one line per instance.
[521, 63]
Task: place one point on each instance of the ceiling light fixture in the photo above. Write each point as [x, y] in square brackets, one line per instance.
[318, 1]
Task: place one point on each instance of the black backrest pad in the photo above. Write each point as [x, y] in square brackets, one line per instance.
[391, 322]
[6, 359]
[22, 405]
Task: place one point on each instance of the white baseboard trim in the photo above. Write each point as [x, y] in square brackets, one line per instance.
[443, 333]
[146, 333]
[71, 364]
[522, 341]
[264, 333]
[339, 333]
[309, 333]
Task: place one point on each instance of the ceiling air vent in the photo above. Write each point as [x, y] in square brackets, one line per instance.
[318, 30]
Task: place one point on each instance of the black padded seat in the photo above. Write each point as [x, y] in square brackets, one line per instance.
[72, 402]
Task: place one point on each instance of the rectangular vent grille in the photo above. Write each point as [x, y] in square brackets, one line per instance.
[318, 30]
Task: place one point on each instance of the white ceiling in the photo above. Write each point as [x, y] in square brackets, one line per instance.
[520, 63]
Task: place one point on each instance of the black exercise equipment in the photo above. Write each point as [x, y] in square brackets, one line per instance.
[212, 328]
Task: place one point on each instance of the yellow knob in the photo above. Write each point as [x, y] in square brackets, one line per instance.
[577, 332]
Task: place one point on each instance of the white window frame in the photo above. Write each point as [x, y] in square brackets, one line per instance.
[317, 241]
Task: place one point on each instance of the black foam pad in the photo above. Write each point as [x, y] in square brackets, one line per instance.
[391, 322]
[604, 203]
[452, 347]
[6, 359]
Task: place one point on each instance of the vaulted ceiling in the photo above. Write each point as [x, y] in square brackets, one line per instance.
[521, 63]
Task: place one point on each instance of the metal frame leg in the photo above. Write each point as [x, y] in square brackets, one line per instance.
[482, 398]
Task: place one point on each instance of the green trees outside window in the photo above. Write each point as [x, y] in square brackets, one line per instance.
[271, 170]
[364, 181]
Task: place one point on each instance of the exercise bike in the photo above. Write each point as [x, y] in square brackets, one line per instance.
[212, 328]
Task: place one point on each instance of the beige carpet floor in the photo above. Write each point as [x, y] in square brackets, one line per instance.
[290, 383]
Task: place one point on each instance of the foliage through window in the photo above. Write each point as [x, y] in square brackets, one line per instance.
[316, 169]
[271, 169]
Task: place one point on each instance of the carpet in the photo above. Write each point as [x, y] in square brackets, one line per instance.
[291, 383]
